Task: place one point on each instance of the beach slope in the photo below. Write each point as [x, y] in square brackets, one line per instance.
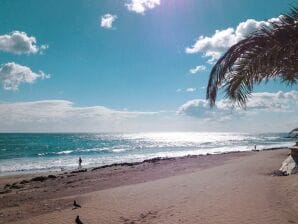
[235, 189]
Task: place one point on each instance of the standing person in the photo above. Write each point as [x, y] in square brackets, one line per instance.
[80, 162]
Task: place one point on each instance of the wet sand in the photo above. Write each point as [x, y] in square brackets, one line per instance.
[226, 188]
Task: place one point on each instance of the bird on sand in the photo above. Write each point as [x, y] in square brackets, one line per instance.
[76, 205]
[78, 221]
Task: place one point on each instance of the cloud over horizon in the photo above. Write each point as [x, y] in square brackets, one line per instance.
[63, 115]
[259, 102]
[107, 21]
[280, 107]
[141, 6]
[214, 46]
[274, 112]
[18, 42]
[12, 75]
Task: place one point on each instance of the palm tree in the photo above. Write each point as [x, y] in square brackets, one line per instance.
[268, 53]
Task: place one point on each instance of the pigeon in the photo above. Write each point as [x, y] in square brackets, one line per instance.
[78, 221]
[76, 205]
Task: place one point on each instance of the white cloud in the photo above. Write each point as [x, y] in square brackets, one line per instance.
[62, 109]
[63, 115]
[263, 110]
[12, 75]
[141, 6]
[199, 68]
[274, 102]
[190, 89]
[264, 102]
[107, 21]
[20, 43]
[214, 46]
[194, 108]
[259, 103]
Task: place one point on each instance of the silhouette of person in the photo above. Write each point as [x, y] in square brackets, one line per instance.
[80, 163]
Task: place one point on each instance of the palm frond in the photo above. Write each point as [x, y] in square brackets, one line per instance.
[268, 53]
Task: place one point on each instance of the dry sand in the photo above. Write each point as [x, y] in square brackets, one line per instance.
[228, 188]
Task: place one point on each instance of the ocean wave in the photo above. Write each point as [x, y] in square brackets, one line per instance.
[80, 150]
[119, 150]
[64, 152]
[103, 149]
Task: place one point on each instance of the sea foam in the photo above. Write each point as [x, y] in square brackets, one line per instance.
[43, 152]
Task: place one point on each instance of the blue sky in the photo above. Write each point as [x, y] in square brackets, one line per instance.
[138, 62]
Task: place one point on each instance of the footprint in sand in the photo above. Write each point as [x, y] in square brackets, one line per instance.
[142, 218]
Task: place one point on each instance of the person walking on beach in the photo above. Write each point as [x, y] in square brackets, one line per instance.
[80, 162]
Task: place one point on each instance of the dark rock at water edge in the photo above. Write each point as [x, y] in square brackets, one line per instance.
[79, 171]
[40, 178]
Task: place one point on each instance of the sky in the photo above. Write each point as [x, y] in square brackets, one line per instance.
[130, 65]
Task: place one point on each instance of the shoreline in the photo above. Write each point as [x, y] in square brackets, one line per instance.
[44, 174]
[52, 197]
[30, 173]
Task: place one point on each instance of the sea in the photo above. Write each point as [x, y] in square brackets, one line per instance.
[35, 152]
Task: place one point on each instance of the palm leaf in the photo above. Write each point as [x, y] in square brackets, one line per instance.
[268, 53]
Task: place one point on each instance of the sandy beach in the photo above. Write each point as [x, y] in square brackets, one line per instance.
[148, 112]
[227, 188]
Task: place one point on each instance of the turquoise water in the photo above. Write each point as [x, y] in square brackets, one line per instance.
[43, 152]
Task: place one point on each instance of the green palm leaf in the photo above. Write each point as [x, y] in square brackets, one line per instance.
[268, 53]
